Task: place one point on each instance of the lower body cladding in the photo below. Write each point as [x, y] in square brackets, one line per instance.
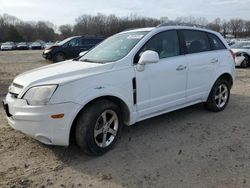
[37, 121]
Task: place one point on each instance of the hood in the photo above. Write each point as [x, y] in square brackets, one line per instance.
[60, 73]
[48, 47]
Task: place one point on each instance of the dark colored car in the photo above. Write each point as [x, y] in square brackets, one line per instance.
[70, 48]
[22, 46]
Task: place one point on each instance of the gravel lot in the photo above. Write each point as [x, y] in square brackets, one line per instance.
[186, 148]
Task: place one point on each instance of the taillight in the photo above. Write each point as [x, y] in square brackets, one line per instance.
[233, 54]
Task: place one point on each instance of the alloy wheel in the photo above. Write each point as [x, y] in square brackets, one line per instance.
[221, 96]
[106, 128]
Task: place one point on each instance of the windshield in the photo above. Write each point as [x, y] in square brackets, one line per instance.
[114, 48]
[241, 45]
[64, 41]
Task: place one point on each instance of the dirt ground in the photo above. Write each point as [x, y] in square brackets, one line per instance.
[186, 148]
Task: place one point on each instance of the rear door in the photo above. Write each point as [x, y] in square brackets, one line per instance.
[202, 63]
[88, 43]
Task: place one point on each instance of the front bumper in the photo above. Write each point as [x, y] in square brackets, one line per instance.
[36, 121]
[47, 56]
[6, 48]
[36, 47]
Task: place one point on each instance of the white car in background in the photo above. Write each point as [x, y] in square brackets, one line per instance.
[48, 45]
[8, 46]
[129, 77]
[242, 53]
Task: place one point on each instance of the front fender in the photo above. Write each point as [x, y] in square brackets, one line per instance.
[108, 91]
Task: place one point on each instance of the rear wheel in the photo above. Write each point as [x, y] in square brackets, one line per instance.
[245, 62]
[58, 57]
[219, 96]
[98, 127]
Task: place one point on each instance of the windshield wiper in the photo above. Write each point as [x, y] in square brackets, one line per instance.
[90, 61]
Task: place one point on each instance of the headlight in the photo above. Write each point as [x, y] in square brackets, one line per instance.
[47, 51]
[39, 95]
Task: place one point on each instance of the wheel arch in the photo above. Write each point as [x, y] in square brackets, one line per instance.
[246, 54]
[122, 105]
[228, 77]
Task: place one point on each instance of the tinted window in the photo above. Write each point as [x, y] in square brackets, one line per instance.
[216, 42]
[74, 42]
[196, 41]
[166, 44]
[86, 41]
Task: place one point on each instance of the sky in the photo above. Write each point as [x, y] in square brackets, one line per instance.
[66, 11]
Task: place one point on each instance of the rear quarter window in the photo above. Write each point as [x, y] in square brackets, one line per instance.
[196, 41]
[216, 43]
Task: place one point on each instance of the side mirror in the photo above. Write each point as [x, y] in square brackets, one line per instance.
[147, 57]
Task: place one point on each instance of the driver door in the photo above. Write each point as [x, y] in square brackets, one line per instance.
[74, 47]
[162, 86]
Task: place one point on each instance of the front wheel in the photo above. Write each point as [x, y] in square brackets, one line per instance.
[58, 57]
[219, 96]
[98, 127]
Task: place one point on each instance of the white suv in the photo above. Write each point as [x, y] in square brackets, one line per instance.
[129, 77]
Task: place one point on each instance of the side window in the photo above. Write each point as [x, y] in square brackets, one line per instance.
[216, 42]
[166, 44]
[196, 41]
[74, 43]
[92, 42]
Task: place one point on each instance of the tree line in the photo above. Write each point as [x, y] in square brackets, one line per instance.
[14, 29]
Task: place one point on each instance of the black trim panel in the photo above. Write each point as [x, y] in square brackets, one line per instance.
[134, 90]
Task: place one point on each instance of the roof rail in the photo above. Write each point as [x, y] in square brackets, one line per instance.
[182, 24]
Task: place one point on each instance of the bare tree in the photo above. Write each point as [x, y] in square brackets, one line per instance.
[225, 27]
[14, 29]
[66, 30]
[215, 25]
[236, 26]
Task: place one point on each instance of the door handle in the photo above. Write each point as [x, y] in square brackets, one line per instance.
[181, 67]
[214, 61]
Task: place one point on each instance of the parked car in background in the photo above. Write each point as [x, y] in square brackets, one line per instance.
[129, 77]
[70, 48]
[48, 45]
[22, 46]
[36, 46]
[242, 53]
[8, 46]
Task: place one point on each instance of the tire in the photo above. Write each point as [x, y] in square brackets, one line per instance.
[245, 62]
[58, 57]
[219, 96]
[93, 134]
